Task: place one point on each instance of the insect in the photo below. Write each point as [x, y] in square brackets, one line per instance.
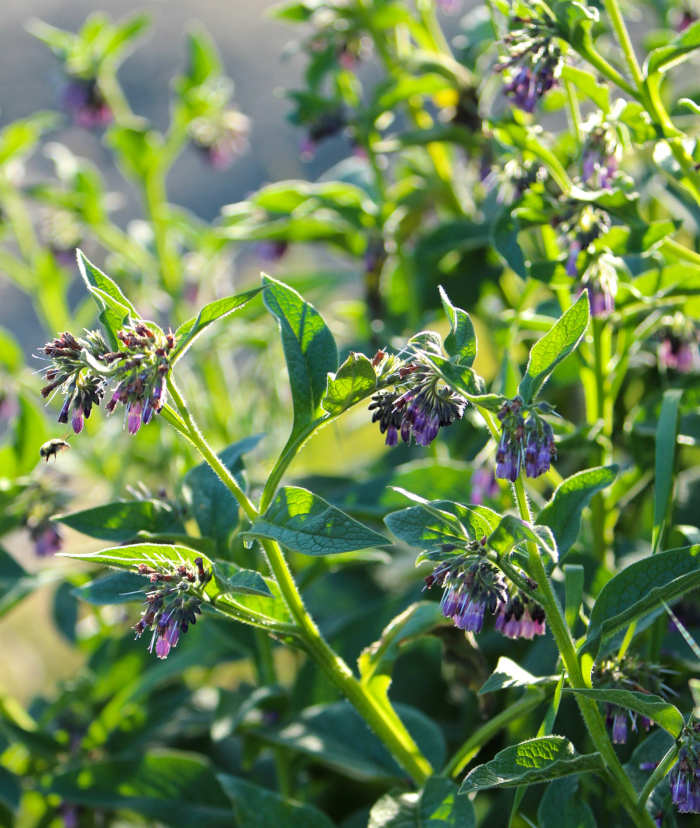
[51, 448]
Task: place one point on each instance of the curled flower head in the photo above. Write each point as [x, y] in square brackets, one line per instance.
[85, 103]
[678, 348]
[140, 373]
[579, 229]
[600, 277]
[533, 62]
[222, 136]
[173, 604]
[323, 126]
[599, 157]
[71, 372]
[419, 405]
[528, 443]
[684, 779]
[62, 234]
[472, 585]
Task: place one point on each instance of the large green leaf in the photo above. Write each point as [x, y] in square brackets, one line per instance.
[640, 588]
[512, 531]
[10, 789]
[561, 804]
[256, 806]
[309, 349]
[437, 805]
[211, 503]
[305, 522]
[218, 309]
[509, 674]
[530, 762]
[123, 520]
[167, 786]
[554, 346]
[115, 588]
[654, 707]
[114, 305]
[563, 511]
[336, 736]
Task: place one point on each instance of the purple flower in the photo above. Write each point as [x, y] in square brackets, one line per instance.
[574, 250]
[518, 617]
[221, 136]
[684, 781]
[47, 539]
[483, 486]
[534, 59]
[84, 101]
[272, 251]
[521, 443]
[601, 280]
[679, 347]
[418, 408]
[470, 588]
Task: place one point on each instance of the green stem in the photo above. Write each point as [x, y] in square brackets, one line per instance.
[377, 712]
[487, 731]
[157, 205]
[680, 251]
[624, 40]
[567, 650]
[658, 774]
[574, 111]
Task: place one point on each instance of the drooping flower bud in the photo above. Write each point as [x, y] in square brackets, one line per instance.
[523, 443]
[678, 349]
[84, 101]
[221, 136]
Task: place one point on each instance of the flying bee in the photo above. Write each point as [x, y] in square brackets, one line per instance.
[51, 448]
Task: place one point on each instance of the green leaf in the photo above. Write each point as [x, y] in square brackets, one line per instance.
[129, 557]
[218, 309]
[665, 57]
[574, 577]
[210, 502]
[531, 762]
[436, 805]
[460, 343]
[64, 611]
[163, 785]
[114, 305]
[253, 805]
[509, 674]
[306, 523]
[512, 531]
[115, 588]
[335, 735]
[654, 707]
[422, 529]
[20, 137]
[231, 578]
[561, 800]
[666, 433]
[637, 238]
[309, 349]
[505, 242]
[640, 588]
[553, 347]
[586, 83]
[377, 660]
[123, 520]
[563, 511]
[29, 434]
[353, 381]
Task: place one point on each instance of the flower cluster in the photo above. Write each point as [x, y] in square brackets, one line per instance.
[417, 407]
[85, 103]
[599, 158]
[172, 605]
[684, 779]
[472, 585]
[528, 443]
[581, 230]
[534, 61]
[82, 367]
[679, 345]
[141, 372]
[600, 278]
[221, 136]
[69, 370]
[628, 673]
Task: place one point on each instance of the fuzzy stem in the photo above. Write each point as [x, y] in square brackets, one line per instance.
[658, 774]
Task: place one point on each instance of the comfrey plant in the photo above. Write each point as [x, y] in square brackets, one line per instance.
[540, 476]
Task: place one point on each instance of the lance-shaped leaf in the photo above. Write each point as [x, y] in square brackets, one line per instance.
[509, 674]
[553, 347]
[640, 589]
[353, 381]
[666, 433]
[306, 523]
[654, 707]
[437, 804]
[530, 762]
[460, 343]
[377, 661]
[309, 349]
[115, 588]
[218, 309]
[114, 305]
[152, 554]
[563, 511]
[679, 49]
[123, 520]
